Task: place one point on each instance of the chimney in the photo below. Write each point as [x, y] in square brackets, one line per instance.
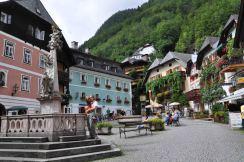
[87, 51]
[74, 45]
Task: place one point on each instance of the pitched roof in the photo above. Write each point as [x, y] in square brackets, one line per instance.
[155, 63]
[209, 41]
[37, 8]
[239, 37]
[233, 17]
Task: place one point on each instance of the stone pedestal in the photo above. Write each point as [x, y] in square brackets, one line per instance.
[51, 126]
[50, 105]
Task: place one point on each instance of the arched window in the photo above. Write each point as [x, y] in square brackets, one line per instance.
[2, 79]
[30, 30]
[37, 33]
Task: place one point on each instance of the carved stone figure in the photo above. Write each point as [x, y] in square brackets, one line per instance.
[47, 85]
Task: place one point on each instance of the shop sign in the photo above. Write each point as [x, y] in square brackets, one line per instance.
[235, 120]
[240, 80]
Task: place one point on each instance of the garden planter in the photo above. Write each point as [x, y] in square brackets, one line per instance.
[157, 127]
[104, 131]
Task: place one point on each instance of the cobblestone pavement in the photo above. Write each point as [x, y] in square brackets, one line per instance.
[194, 141]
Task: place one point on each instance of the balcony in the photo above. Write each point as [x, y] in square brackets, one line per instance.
[193, 95]
[233, 64]
[63, 77]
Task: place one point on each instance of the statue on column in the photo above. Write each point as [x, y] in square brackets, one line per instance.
[50, 85]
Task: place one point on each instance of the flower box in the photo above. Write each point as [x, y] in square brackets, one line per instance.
[108, 100]
[104, 128]
[126, 89]
[119, 101]
[118, 88]
[104, 131]
[108, 86]
[126, 102]
[83, 82]
[96, 84]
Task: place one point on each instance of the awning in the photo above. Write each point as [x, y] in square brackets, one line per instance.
[17, 108]
[239, 94]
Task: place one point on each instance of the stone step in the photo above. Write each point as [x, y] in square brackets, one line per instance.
[71, 158]
[48, 145]
[45, 154]
[24, 139]
[71, 138]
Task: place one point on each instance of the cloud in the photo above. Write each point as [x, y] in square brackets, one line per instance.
[80, 19]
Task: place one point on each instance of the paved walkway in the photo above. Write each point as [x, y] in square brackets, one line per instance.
[194, 141]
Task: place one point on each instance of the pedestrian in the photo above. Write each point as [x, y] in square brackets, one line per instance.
[90, 112]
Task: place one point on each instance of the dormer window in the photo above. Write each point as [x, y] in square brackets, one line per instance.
[5, 18]
[30, 30]
[38, 11]
[39, 34]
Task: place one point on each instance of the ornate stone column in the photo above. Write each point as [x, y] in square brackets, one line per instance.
[50, 98]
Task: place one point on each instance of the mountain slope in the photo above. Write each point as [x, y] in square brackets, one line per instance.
[167, 24]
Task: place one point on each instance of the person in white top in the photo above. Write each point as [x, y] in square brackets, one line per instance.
[90, 111]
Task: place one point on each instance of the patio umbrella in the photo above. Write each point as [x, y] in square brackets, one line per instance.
[148, 106]
[157, 105]
[174, 104]
[17, 108]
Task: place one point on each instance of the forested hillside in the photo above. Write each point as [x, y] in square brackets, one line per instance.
[168, 24]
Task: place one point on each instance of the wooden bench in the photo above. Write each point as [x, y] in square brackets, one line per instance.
[133, 123]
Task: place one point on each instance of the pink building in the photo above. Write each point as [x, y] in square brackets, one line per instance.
[25, 26]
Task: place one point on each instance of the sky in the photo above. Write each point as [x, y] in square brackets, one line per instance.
[80, 19]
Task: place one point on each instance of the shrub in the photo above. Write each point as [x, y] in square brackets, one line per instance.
[157, 121]
[217, 107]
[100, 125]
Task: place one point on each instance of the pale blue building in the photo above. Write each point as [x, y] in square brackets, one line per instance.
[102, 78]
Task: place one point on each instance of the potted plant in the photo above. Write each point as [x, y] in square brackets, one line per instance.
[104, 128]
[126, 89]
[108, 100]
[157, 124]
[118, 88]
[83, 82]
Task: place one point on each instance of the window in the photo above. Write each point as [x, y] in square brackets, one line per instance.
[118, 98]
[37, 33]
[92, 63]
[30, 30]
[67, 110]
[9, 49]
[107, 67]
[117, 84]
[97, 80]
[42, 35]
[71, 74]
[81, 61]
[25, 83]
[170, 64]
[83, 77]
[27, 56]
[83, 95]
[42, 61]
[39, 85]
[157, 70]
[115, 69]
[5, 18]
[125, 86]
[3, 78]
[107, 82]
